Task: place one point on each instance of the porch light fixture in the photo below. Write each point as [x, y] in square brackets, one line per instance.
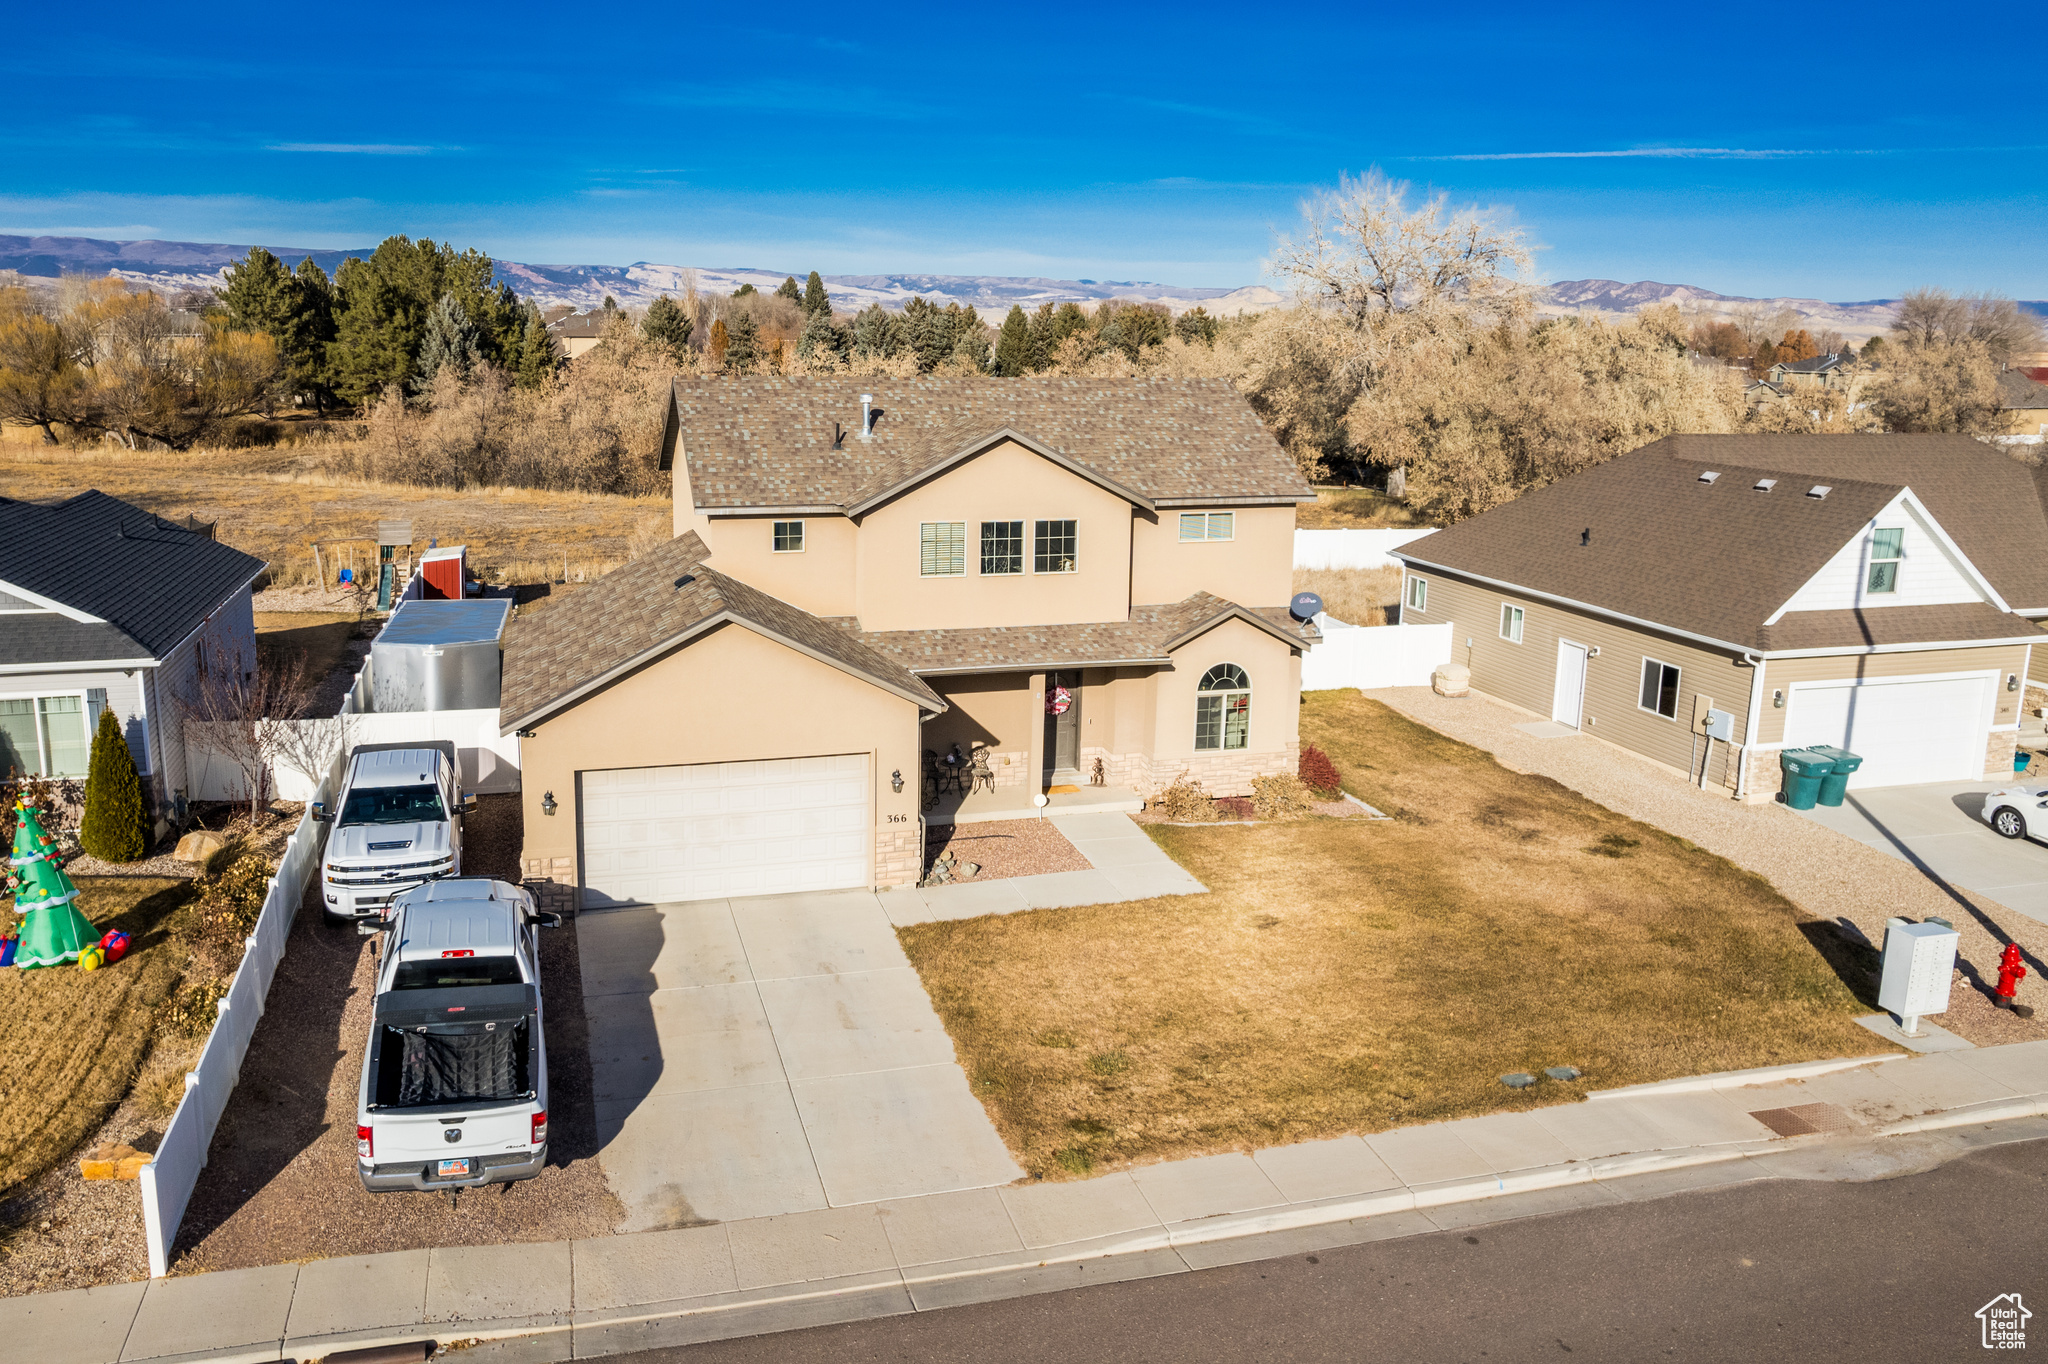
[547, 804]
[896, 781]
[1778, 700]
[2012, 681]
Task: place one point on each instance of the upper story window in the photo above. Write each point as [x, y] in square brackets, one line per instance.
[1002, 547]
[1223, 708]
[1511, 623]
[1887, 547]
[1418, 595]
[789, 537]
[1208, 525]
[1052, 547]
[942, 549]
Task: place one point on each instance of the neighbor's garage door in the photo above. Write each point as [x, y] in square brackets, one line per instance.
[703, 832]
[1931, 730]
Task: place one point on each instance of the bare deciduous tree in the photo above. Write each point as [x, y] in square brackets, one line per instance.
[244, 716]
[1931, 317]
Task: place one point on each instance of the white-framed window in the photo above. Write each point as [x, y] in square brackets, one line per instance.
[942, 549]
[50, 734]
[1659, 695]
[789, 537]
[1511, 622]
[1002, 547]
[1223, 708]
[1052, 546]
[1418, 595]
[1208, 525]
[1887, 547]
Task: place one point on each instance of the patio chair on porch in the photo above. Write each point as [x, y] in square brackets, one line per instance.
[980, 773]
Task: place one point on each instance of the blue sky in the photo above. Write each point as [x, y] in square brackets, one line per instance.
[1845, 153]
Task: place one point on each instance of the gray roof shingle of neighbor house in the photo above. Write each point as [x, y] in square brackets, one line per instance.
[2017, 392]
[151, 581]
[1716, 559]
[769, 443]
[639, 612]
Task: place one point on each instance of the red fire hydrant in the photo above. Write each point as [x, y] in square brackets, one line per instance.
[2010, 973]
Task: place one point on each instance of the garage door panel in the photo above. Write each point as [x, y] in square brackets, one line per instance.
[1927, 729]
[715, 830]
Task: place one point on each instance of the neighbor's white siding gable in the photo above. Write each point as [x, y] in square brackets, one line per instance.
[1930, 572]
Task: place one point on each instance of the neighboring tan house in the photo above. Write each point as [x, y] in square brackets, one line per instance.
[1069, 572]
[2023, 404]
[1877, 593]
[104, 606]
[578, 333]
[1783, 382]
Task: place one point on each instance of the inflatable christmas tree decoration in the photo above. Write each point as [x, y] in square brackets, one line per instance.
[52, 931]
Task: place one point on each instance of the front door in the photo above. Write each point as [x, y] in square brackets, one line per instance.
[1569, 702]
[1063, 720]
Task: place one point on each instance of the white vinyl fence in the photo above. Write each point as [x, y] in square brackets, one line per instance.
[488, 760]
[168, 1179]
[1367, 656]
[1351, 548]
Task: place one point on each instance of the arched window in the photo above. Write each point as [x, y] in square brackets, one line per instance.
[1223, 708]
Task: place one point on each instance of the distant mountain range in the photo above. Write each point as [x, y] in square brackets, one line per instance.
[198, 265]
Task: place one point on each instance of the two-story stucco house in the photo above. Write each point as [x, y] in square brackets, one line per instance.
[104, 606]
[1875, 593]
[1088, 578]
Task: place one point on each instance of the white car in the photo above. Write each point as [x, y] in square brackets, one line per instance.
[454, 1091]
[2008, 810]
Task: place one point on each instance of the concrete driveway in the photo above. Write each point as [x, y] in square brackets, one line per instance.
[1939, 828]
[774, 1055]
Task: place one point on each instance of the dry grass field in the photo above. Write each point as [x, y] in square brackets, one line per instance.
[1353, 976]
[1358, 596]
[1354, 509]
[71, 1040]
[270, 504]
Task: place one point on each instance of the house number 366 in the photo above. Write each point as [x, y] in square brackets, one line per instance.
[899, 819]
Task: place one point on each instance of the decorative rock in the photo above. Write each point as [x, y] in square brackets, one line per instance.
[969, 868]
[1563, 1072]
[1521, 1079]
[198, 846]
[1451, 679]
[112, 1162]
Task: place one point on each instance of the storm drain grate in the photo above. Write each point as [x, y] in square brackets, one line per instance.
[1805, 1120]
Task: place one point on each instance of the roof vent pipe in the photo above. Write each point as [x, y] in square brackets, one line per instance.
[867, 416]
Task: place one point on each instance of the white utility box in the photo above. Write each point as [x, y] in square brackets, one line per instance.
[1919, 961]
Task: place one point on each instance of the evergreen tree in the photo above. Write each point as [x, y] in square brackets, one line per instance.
[538, 358]
[451, 342]
[820, 338]
[1197, 324]
[790, 291]
[259, 295]
[311, 333]
[744, 290]
[928, 332]
[610, 305]
[816, 300]
[669, 327]
[743, 344]
[1013, 345]
[877, 333]
[115, 827]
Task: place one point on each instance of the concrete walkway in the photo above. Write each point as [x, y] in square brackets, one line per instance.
[1939, 828]
[771, 1055]
[1124, 864]
[1862, 1119]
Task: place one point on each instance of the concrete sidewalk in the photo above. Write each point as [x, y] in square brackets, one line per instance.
[1860, 1118]
[1123, 864]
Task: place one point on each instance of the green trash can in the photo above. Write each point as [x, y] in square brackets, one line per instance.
[1803, 770]
[1835, 784]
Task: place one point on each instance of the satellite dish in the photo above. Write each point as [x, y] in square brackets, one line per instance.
[1305, 606]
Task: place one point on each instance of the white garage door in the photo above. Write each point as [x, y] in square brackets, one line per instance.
[710, 830]
[1930, 730]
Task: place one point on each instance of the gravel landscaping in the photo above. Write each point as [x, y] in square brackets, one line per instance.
[1827, 875]
[1004, 848]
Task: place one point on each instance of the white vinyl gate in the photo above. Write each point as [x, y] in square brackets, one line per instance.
[1911, 730]
[712, 830]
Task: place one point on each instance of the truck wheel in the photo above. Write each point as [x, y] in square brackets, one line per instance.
[2009, 822]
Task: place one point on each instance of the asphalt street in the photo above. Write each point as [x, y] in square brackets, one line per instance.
[1782, 1270]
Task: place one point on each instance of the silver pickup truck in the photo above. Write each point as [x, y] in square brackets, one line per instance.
[397, 823]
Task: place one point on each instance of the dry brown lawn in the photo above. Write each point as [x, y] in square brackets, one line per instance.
[269, 503]
[1354, 509]
[1353, 976]
[1357, 596]
[71, 1040]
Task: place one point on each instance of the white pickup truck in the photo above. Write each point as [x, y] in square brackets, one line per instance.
[454, 1092]
[397, 823]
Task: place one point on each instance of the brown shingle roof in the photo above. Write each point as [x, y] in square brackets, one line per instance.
[1855, 629]
[768, 442]
[1146, 638]
[2017, 391]
[635, 614]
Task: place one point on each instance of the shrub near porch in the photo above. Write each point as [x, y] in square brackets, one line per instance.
[1354, 976]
